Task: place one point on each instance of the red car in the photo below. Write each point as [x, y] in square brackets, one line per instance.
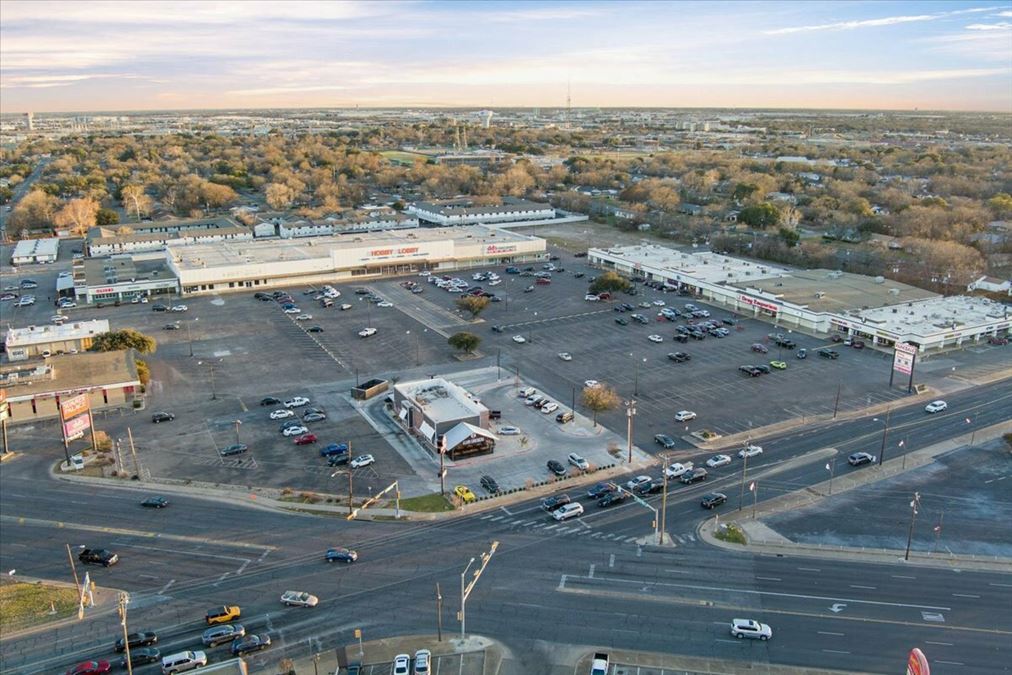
[305, 439]
[90, 668]
[995, 340]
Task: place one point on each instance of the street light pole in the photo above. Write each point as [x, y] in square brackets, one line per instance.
[465, 591]
[237, 423]
[744, 471]
[123, 599]
[463, 600]
[630, 412]
[885, 433]
[914, 503]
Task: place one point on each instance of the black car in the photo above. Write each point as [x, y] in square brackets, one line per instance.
[141, 639]
[729, 322]
[159, 308]
[314, 329]
[171, 326]
[697, 335]
[626, 307]
[338, 460]
[601, 489]
[270, 400]
[361, 291]
[664, 441]
[551, 503]
[829, 354]
[234, 449]
[679, 357]
[693, 475]
[764, 369]
[142, 656]
[162, 417]
[683, 330]
[622, 321]
[556, 468]
[612, 498]
[498, 329]
[651, 488]
[98, 556]
[250, 643]
[155, 502]
[712, 500]
[681, 338]
[489, 484]
[578, 275]
[750, 371]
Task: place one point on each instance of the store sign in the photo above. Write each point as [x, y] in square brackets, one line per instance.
[917, 663]
[72, 407]
[107, 289]
[76, 427]
[903, 358]
[387, 252]
[496, 249]
[761, 304]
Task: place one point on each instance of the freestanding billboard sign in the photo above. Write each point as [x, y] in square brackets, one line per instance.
[904, 359]
[917, 663]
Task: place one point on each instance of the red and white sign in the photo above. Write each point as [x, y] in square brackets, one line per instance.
[761, 304]
[76, 427]
[74, 406]
[917, 663]
[497, 249]
[387, 252]
[903, 359]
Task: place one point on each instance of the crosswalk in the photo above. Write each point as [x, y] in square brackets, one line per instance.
[573, 528]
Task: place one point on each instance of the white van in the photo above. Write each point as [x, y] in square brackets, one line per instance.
[183, 661]
[571, 510]
[527, 391]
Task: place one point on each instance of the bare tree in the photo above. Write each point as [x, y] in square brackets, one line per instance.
[134, 199]
[78, 215]
[279, 195]
[599, 398]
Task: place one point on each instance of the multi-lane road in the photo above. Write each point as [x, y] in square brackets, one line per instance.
[584, 582]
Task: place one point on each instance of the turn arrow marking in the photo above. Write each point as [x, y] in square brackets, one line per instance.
[837, 607]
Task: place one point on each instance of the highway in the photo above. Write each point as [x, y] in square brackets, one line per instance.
[583, 582]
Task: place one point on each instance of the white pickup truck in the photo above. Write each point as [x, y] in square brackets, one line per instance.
[599, 666]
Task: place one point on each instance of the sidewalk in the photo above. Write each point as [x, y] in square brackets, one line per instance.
[625, 662]
[762, 539]
[377, 655]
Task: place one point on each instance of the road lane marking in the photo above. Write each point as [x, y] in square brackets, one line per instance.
[826, 632]
[590, 575]
[835, 651]
[867, 588]
[770, 578]
[810, 569]
[611, 560]
[966, 595]
[506, 511]
[991, 583]
[949, 663]
[164, 588]
[943, 644]
[901, 576]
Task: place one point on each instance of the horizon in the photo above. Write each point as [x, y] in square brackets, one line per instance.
[62, 57]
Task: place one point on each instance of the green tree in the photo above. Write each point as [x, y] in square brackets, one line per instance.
[743, 191]
[790, 237]
[760, 216]
[599, 399]
[124, 339]
[465, 342]
[474, 304]
[1001, 203]
[611, 282]
[143, 372]
[106, 217]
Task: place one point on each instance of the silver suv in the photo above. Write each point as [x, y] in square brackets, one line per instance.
[219, 635]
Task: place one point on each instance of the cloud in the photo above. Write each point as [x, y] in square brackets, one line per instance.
[48, 81]
[1006, 13]
[540, 14]
[872, 23]
[1003, 25]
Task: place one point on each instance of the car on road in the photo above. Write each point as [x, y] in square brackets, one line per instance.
[178, 308]
[718, 460]
[565, 356]
[340, 554]
[600, 489]
[314, 329]
[750, 451]
[612, 499]
[402, 665]
[684, 416]
[362, 460]
[141, 656]
[270, 400]
[678, 469]
[578, 461]
[679, 357]
[556, 467]
[307, 439]
[652, 487]
[567, 511]
[219, 635]
[489, 484]
[464, 493]
[637, 481]
[282, 413]
[162, 417]
[299, 599]
[519, 339]
[859, 458]
[222, 614]
[296, 402]
[750, 628]
[779, 365]
[829, 354]
[314, 417]
[155, 503]
[693, 475]
[591, 383]
[98, 556]
[295, 430]
[250, 643]
[802, 353]
[664, 441]
[138, 639]
[552, 503]
[713, 499]
[936, 406]
[91, 668]
[509, 431]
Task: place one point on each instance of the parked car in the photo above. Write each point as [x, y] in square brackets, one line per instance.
[679, 357]
[162, 417]
[295, 430]
[314, 417]
[282, 413]
[307, 439]
[779, 365]
[296, 402]
[859, 458]
[713, 500]
[578, 461]
[556, 467]
[402, 665]
[299, 599]
[465, 494]
[362, 460]
[684, 416]
[829, 354]
[664, 441]
[270, 400]
[802, 353]
[489, 484]
[334, 449]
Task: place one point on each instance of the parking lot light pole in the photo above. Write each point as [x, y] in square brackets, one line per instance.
[744, 471]
[630, 412]
[237, 424]
[885, 433]
[914, 503]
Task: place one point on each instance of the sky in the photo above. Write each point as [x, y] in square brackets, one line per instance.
[83, 55]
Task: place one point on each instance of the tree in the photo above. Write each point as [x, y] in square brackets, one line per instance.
[475, 304]
[465, 342]
[599, 399]
[106, 217]
[78, 215]
[760, 216]
[279, 196]
[789, 236]
[124, 339]
[134, 198]
[34, 211]
[611, 282]
[143, 372]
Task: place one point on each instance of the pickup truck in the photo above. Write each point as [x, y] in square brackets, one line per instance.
[599, 666]
[99, 556]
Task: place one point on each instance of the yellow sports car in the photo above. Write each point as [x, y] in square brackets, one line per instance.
[464, 493]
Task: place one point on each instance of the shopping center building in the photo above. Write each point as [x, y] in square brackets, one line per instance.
[878, 310]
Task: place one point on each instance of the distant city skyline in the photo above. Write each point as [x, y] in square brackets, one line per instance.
[58, 56]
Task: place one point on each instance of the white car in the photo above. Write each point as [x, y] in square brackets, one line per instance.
[550, 407]
[655, 338]
[362, 460]
[67, 304]
[367, 332]
[25, 301]
[296, 402]
[684, 416]
[509, 431]
[344, 307]
[293, 310]
[750, 451]
[578, 461]
[591, 383]
[936, 406]
[565, 356]
[494, 282]
[178, 308]
[718, 460]
[402, 662]
[519, 339]
[590, 297]
[295, 431]
[282, 414]
[637, 481]
[677, 469]
[304, 317]
[425, 273]
[659, 303]
[384, 304]
[749, 628]
[299, 599]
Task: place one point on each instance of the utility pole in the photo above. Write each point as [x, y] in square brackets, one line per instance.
[124, 598]
[73, 568]
[914, 503]
[439, 613]
[754, 487]
[630, 412]
[133, 453]
[885, 432]
[831, 467]
[836, 406]
[442, 471]
[744, 470]
[664, 499]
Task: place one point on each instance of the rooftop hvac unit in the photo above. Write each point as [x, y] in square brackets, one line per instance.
[880, 280]
[894, 291]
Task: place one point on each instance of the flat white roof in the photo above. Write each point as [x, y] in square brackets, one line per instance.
[35, 247]
[440, 399]
[33, 335]
[704, 265]
[934, 315]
